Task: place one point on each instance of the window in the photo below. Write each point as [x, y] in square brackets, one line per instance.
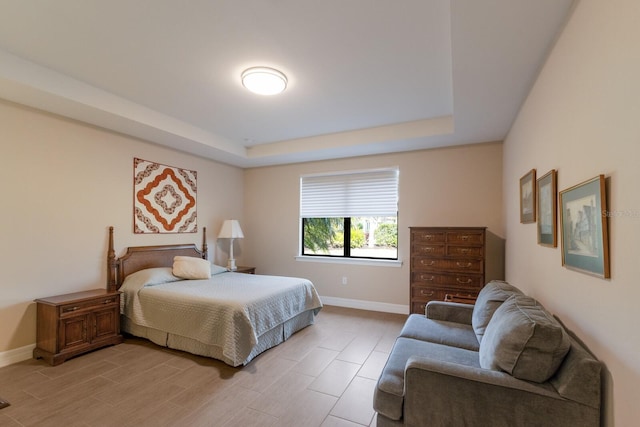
[350, 214]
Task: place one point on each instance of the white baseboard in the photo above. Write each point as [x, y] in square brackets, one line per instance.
[366, 305]
[16, 355]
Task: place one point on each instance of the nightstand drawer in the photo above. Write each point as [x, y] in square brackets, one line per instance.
[68, 309]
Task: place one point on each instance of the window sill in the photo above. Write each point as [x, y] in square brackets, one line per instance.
[352, 261]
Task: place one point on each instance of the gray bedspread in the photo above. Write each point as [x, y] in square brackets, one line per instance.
[230, 310]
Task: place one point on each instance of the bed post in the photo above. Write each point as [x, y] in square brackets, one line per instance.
[112, 265]
[205, 255]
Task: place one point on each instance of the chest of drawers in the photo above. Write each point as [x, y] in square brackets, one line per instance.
[446, 261]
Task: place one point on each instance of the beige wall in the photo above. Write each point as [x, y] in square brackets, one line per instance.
[455, 186]
[583, 119]
[62, 184]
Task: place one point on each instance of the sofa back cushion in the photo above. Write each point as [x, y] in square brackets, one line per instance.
[579, 376]
[524, 340]
[489, 299]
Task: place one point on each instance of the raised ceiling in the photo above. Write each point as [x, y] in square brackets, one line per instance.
[365, 76]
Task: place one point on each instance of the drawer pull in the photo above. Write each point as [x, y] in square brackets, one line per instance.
[465, 237]
[424, 263]
[68, 309]
[108, 301]
[428, 249]
[463, 250]
[463, 281]
[426, 279]
[426, 294]
[427, 236]
[461, 265]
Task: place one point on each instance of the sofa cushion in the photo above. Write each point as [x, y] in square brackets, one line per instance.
[489, 299]
[388, 397]
[524, 340]
[454, 334]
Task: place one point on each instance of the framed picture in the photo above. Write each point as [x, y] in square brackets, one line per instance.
[528, 197]
[585, 245]
[547, 203]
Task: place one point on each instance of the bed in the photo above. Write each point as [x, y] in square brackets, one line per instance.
[231, 317]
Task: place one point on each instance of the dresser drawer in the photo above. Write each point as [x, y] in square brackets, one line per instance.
[463, 237]
[69, 309]
[466, 265]
[427, 249]
[465, 251]
[424, 293]
[428, 236]
[473, 281]
[420, 296]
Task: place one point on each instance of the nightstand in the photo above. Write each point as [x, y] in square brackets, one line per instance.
[73, 324]
[246, 270]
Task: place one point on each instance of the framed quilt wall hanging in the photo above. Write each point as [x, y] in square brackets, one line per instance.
[164, 198]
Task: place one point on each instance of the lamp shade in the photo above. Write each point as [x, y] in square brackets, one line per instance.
[231, 230]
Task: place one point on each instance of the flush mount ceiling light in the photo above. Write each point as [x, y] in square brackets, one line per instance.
[264, 80]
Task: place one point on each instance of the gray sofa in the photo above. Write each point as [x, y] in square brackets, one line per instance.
[504, 361]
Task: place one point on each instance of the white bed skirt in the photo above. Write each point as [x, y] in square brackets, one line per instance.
[269, 339]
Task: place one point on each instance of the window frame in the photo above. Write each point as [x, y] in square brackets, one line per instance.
[346, 220]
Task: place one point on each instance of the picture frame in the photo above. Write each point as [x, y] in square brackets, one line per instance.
[585, 243]
[547, 209]
[528, 197]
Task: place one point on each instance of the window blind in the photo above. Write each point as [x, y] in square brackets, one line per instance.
[349, 194]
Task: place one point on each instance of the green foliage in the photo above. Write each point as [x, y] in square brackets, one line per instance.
[318, 234]
[387, 235]
[338, 240]
[358, 238]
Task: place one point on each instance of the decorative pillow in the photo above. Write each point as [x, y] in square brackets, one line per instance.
[216, 269]
[187, 267]
[489, 299]
[524, 340]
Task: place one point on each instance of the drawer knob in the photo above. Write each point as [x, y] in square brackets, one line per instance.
[425, 293]
[463, 281]
[463, 265]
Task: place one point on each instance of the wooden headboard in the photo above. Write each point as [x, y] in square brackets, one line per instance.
[140, 257]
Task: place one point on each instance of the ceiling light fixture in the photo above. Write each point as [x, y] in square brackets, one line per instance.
[264, 80]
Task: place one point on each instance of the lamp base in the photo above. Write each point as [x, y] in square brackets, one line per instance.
[231, 265]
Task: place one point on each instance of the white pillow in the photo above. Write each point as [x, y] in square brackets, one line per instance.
[187, 267]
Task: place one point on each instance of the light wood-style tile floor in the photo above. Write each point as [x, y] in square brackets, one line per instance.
[322, 376]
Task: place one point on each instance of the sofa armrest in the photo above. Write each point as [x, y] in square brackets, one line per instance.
[437, 392]
[449, 311]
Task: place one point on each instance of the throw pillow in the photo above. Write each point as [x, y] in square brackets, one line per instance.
[187, 267]
[524, 340]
